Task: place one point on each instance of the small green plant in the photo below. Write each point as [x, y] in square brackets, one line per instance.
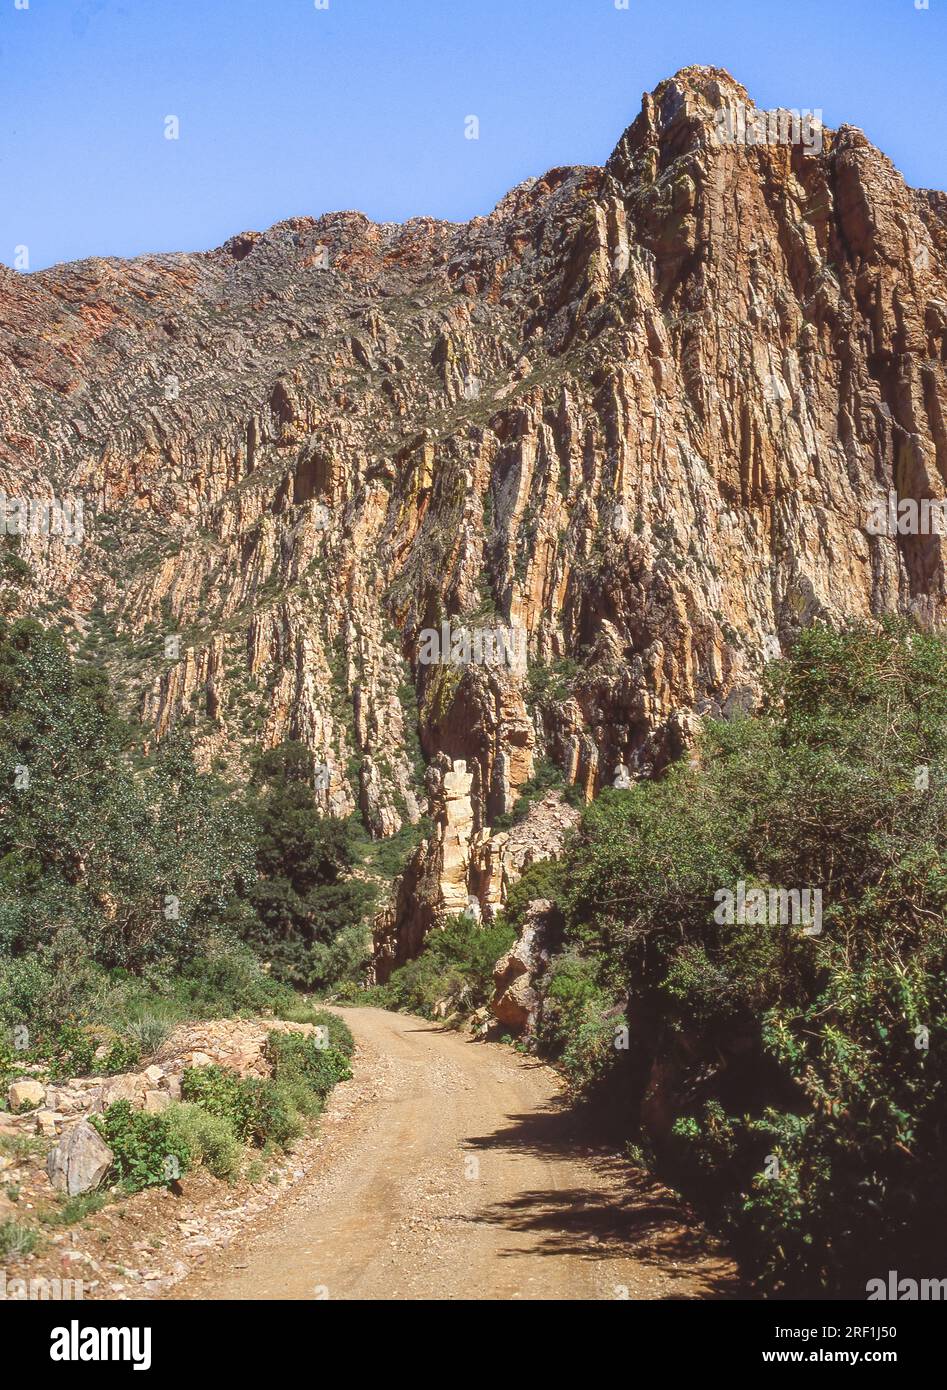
[148, 1032]
[147, 1151]
[209, 1139]
[21, 1147]
[75, 1209]
[16, 1240]
[256, 1109]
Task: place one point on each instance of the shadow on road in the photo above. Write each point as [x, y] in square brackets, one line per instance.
[631, 1215]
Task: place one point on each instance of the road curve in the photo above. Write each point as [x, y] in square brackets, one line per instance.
[453, 1169]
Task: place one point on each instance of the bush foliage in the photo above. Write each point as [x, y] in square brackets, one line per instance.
[456, 965]
[826, 1052]
[147, 1150]
[136, 890]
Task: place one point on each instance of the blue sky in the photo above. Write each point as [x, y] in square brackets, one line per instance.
[286, 109]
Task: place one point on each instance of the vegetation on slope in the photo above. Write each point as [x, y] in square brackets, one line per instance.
[791, 1082]
[137, 891]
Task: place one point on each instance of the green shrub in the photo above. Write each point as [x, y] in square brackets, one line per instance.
[100, 823]
[147, 1153]
[267, 1113]
[307, 909]
[305, 1070]
[346, 957]
[801, 1085]
[123, 1055]
[456, 963]
[16, 1240]
[215, 1089]
[208, 1138]
[54, 983]
[230, 980]
[575, 1023]
[338, 1034]
[255, 1108]
[72, 1052]
[544, 879]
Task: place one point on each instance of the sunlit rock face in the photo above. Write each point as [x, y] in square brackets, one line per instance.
[641, 415]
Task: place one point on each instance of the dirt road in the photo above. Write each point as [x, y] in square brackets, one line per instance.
[451, 1169]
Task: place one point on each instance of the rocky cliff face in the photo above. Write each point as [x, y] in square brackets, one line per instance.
[640, 414]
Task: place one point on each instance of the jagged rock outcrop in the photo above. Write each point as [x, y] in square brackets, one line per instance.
[497, 860]
[516, 1000]
[461, 869]
[639, 413]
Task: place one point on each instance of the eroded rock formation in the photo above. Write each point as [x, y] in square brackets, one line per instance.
[639, 412]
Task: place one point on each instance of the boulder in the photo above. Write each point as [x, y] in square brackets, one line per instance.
[130, 1087]
[48, 1122]
[515, 1001]
[79, 1161]
[26, 1092]
[156, 1101]
[516, 1005]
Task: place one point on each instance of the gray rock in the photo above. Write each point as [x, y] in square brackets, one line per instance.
[79, 1161]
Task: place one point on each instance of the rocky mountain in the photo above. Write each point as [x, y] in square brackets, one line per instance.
[638, 419]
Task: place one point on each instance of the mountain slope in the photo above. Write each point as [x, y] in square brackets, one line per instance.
[641, 413]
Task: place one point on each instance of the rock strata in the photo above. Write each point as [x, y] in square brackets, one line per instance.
[640, 414]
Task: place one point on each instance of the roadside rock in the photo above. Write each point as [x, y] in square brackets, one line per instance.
[79, 1161]
[515, 1001]
[516, 1004]
[26, 1092]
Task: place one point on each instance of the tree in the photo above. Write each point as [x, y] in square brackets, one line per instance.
[138, 862]
[302, 898]
[824, 1052]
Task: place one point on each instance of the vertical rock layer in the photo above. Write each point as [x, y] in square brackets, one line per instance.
[640, 414]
